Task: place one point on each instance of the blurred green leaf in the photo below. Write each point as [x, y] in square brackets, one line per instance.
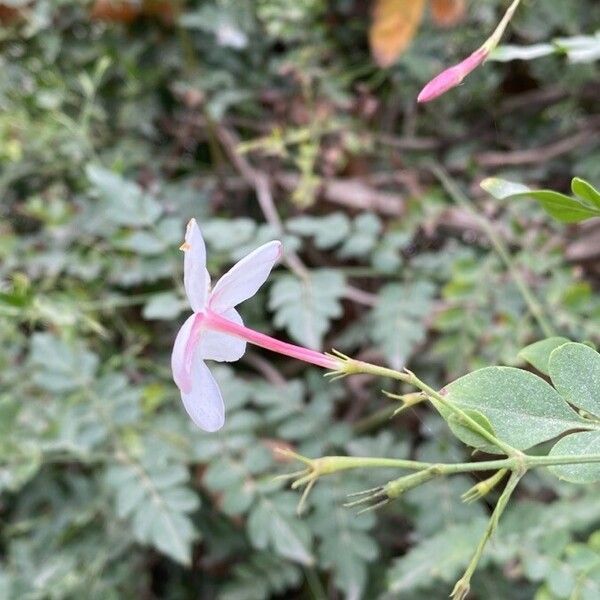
[440, 557]
[306, 306]
[59, 366]
[261, 576]
[165, 305]
[157, 502]
[272, 523]
[124, 202]
[399, 319]
[563, 208]
[328, 231]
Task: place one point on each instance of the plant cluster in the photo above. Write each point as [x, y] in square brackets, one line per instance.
[473, 307]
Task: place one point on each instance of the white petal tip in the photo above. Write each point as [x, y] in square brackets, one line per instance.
[211, 427]
[190, 229]
[279, 246]
[204, 404]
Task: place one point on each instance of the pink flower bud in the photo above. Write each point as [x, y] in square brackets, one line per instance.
[452, 76]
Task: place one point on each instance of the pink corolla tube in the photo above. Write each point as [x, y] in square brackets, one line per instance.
[215, 330]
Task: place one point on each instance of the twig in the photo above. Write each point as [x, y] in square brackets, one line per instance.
[260, 182]
[352, 193]
[408, 143]
[267, 370]
[537, 155]
[360, 296]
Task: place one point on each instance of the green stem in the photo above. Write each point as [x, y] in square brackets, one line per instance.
[352, 366]
[461, 589]
[465, 418]
[328, 465]
[494, 39]
[549, 461]
[332, 464]
[535, 308]
[314, 584]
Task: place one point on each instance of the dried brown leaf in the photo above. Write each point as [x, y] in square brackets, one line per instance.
[395, 23]
[447, 13]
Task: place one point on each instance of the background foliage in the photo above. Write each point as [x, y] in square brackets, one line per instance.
[115, 129]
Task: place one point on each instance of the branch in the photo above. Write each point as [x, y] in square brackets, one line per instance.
[262, 187]
[352, 193]
[537, 155]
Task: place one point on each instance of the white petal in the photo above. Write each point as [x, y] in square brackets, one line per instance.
[215, 345]
[245, 277]
[204, 403]
[181, 374]
[195, 276]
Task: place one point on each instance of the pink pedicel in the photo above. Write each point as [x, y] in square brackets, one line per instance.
[452, 76]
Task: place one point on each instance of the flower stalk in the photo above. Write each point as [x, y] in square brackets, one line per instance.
[424, 472]
[463, 585]
[349, 366]
[516, 463]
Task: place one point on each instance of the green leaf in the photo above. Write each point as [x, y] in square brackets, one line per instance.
[583, 189]
[228, 234]
[440, 557]
[464, 430]
[165, 305]
[145, 243]
[346, 543]
[577, 444]
[262, 576]
[328, 231]
[364, 237]
[156, 501]
[399, 319]
[438, 504]
[535, 537]
[306, 306]
[108, 403]
[508, 52]
[125, 203]
[578, 49]
[273, 524]
[575, 372]
[522, 408]
[502, 188]
[561, 207]
[576, 573]
[538, 353]
[59, 366]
